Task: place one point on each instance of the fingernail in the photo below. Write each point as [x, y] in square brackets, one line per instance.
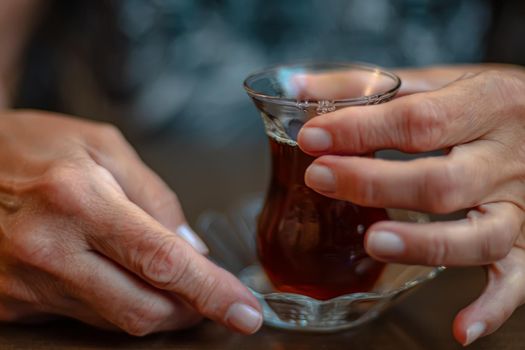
[244, 318]
[192, 238]
[315, 140]
[320, 178]
[474, 331]
[383, 243]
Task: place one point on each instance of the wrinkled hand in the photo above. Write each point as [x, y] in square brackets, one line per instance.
[88, 231]
[480, 120]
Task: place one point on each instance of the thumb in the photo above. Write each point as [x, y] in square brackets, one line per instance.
[434, 78]
[502, 295]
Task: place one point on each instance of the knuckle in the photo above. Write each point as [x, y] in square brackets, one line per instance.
[516, 85]
[109, 132]
[493, 249]
[143, 319]
[365, 190]
[503, 84]
[35, 250]
[492, 76]
[60, 176]
[443, 188]
[424, 124]
[172, 268]
[439, 251]
[499, 239]
[167, 265]
[65, 186]
[357, 138]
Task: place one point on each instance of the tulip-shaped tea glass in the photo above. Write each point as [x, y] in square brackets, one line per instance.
[313, 272]
[307, 243]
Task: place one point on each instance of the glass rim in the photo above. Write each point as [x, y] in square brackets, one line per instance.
[367, 99]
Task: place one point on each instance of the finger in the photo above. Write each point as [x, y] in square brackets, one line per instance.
[436, 77]
[112, 298]
[434, 184]
[346, 84]
[145, 247]
[415, 123]
[433, 78]
[141, 185]
[485, 236]
[502, 295]
[339, 85]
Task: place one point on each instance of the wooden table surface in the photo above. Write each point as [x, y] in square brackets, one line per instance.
[422, 320]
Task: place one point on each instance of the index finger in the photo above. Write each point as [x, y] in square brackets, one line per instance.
[340, 84]
[354, 83]
[130, 237]
[414, 123]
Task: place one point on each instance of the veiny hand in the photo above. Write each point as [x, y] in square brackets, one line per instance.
[88, 231]
[480, 119]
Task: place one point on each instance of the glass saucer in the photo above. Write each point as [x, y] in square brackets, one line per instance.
[231, 239]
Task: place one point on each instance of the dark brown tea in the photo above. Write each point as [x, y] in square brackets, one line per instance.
[310, 244]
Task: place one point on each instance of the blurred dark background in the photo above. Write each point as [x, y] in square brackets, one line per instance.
[169, 73]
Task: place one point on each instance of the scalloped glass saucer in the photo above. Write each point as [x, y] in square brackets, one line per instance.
[231, 239]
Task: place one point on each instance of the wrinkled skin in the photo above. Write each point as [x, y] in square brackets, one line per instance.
[479, 119]
[88, 231]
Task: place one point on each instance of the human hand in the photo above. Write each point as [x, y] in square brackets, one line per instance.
[479, 120]
[88, 231]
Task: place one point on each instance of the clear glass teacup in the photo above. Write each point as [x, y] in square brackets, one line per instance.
[307, 243]
[313, 272]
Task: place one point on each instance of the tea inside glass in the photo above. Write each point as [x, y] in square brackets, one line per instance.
[307, 243]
